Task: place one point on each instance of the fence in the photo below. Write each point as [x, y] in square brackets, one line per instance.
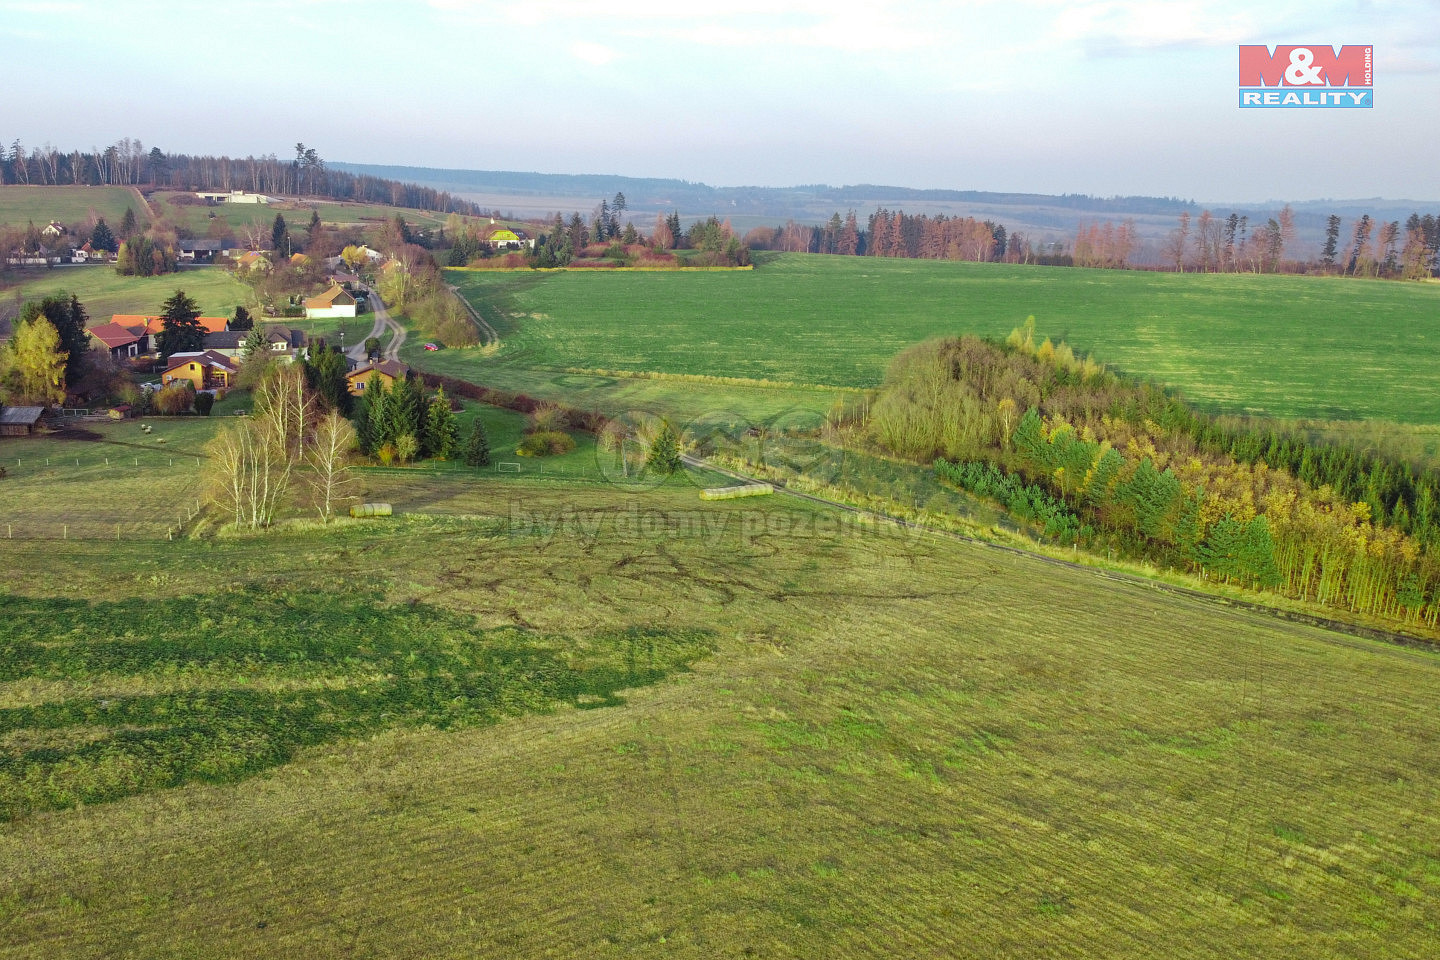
[114, 495]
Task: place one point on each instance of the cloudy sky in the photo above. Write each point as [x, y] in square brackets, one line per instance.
[1086, 96]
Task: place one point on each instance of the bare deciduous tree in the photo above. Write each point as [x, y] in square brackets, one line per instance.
[328, 457]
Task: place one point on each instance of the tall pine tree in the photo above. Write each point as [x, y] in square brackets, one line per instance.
[477, 447]
[441, 434]
[180, 329]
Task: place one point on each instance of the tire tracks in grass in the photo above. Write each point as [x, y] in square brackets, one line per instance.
[1403, 645]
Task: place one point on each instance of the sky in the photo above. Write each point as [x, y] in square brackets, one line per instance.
[1103, 97]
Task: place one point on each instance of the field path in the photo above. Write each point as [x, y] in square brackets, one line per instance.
[383, 321]
[488, 335]
[149, 210]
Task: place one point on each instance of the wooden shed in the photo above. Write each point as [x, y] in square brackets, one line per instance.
[19, 421]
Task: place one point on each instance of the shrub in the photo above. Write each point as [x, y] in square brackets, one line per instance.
[386, 454]
[176, 398]
[203, 403]
[406, 447]
[545, 443]
[548, 418]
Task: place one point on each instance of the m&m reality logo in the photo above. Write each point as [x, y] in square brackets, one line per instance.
[1312, 75]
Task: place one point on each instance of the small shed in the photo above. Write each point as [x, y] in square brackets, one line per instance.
[19, 421]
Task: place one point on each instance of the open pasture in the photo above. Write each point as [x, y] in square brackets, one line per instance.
[21, 205]
[1320, 347]
[197, 216]
[583, 721]
[104, 292]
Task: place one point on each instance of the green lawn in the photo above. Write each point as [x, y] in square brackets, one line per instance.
[540, 717]
[104, 292]
[1329, 348]
[197, 216]
[21, 205]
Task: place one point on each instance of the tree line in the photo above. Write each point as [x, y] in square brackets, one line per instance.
[127, 163]
[1145, 474]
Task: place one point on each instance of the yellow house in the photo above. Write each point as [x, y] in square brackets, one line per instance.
[387, 370]
[205, 369]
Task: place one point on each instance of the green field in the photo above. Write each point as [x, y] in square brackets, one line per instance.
[539, 715]
[104, 292]
[196, 217]
[22, 205]
[1329, 348]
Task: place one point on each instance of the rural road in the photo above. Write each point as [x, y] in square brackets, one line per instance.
[383, 322]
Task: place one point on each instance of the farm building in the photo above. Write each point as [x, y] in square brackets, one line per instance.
[235, 196]
[205, 369]
[387, 370]
[122, 342]
[334, 302]
[19, 421]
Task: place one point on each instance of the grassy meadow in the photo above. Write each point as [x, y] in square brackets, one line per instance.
[104, 292]
[540, 715]
[197, 216]
[1317, 347]
[21, 205]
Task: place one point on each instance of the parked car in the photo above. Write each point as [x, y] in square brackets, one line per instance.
[432, 346]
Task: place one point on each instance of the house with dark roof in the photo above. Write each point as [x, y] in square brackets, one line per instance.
[200, 251]
[227, 343]
[388, 371]
[286, 341]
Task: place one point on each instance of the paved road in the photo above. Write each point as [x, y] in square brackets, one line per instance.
[383, 322]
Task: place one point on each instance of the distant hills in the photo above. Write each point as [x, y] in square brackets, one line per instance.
[1042, 216]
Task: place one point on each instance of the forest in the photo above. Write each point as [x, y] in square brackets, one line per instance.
[1091, 457]
[127, 163]
[1205, 243]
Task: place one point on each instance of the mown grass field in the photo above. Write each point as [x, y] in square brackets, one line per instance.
[21, 205]
[1329, 348]
[549, 716]
[196, 216]
[104, 292]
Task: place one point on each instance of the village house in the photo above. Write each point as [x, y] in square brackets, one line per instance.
[200, 251]
[227, 343]
[286, 341]
[53, 229]
[387, 370]
[153, 325]
[122, 342]
[334, 302]
[205, 369]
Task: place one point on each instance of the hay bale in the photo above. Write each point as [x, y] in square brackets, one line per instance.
[370, 510]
